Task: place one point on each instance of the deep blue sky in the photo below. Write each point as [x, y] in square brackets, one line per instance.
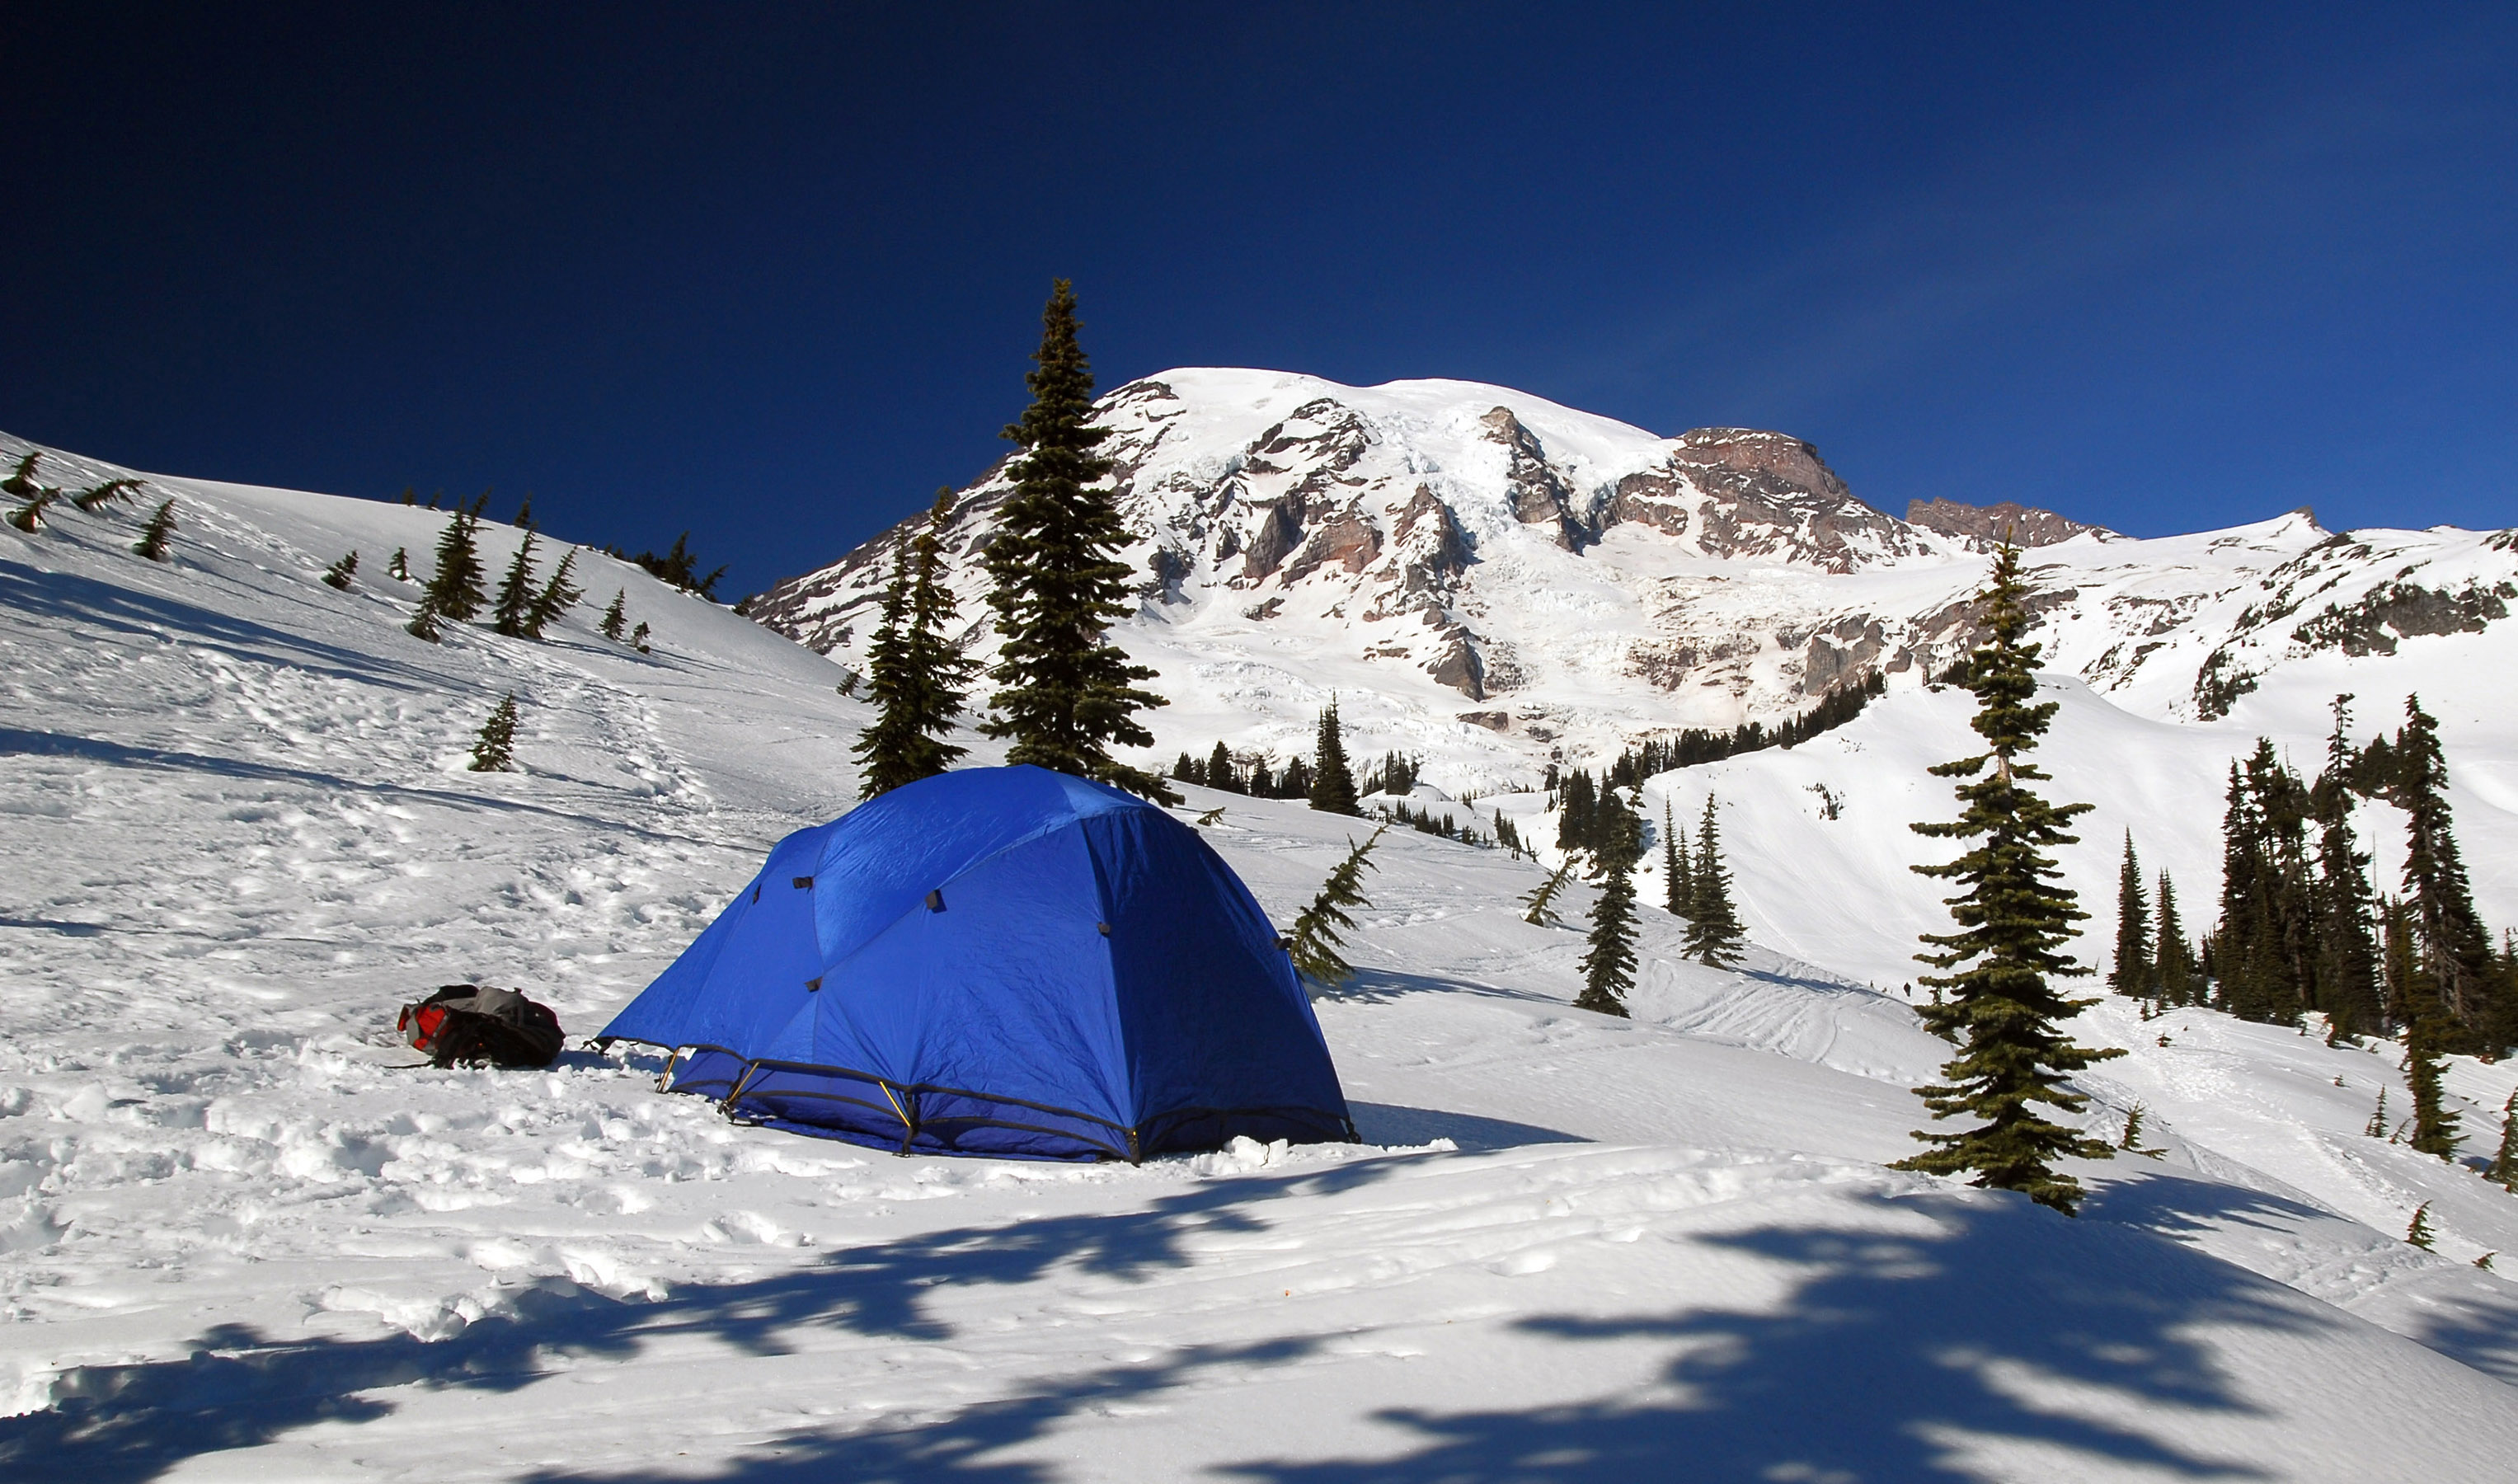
[772, 273]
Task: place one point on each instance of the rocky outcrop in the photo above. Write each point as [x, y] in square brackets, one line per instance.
[2022, 525]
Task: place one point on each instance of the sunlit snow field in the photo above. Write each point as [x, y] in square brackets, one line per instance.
[242, 1235]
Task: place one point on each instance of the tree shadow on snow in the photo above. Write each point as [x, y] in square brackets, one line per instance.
[2476, 1328]
[1890, 1353]
[19, 742]
[147, 615]
[1391, 1124]
[1374, 986]
[242, 1388]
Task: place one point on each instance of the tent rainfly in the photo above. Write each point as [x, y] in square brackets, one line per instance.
[999, 961]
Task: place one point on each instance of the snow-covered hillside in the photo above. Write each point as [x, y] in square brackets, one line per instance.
[239, 1235]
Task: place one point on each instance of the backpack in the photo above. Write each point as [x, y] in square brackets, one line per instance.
[469, 1024]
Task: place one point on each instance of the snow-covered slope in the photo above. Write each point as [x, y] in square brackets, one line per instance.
[239, 1236]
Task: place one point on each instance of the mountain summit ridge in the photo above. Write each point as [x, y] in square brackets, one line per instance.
[1514, 580]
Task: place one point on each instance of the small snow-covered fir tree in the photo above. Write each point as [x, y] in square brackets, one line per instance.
[1314, 944]
[2435, 1123]
[515, 600]
[558, 595]
[338, 574]
[399, 569]
[2002, 1012]
[1332, 783]
[1540, 906]
[1714, 931]
[425, 623]
[455, 591]
[154, 535]
[2419, 1232]
[1065, 693]
[95, 498]
[493, 751]
[615, 619]
[639, 638]
[21, 481]
[29, 517]
[2504, 1164]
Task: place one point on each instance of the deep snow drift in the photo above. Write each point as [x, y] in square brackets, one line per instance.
[244, 1237]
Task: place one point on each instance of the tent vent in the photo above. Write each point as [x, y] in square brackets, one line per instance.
[1104, 927]
[813, 984]
[804, 883]
[935, 900]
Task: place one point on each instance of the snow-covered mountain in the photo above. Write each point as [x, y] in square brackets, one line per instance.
[242, 1235]
[1494, 580]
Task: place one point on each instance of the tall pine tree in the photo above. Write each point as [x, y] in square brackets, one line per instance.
[454, 590]
[1714, 931]
[1065, 693]
[917, 675]
[1678, 887]
[2135, 960]
[1333, 788]
[2001, 1009]
[2455, 950]
[2347, 951]
[1609, 964]
[2173, 968]
[515, 600]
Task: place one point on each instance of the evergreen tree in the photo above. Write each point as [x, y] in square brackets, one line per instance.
[1678, 886]
[399, 569]
[339, 573]
[1065, 692]
[639, 637]
[2347, 952]
[493, 751]
[29, 517]
[525, 514]
[1609, 966]
[455, 591]
[1714, 931]
[2172, 970]
[2418, 1232]
[2504, 1164]
[515, 600]
[1220, 771]
[425, 623]
[21, 481]
[1333, 788]
[613, 617]
[1580, 804]
[1541, 905]
[916, 675]
[97, 497]
[411, 495]
[558, 595]
[2455, 950]
[2135, 959]
[153, 535]
[2002, 1011]
[2435, 1130]
[2400, 971]
[1314, 944]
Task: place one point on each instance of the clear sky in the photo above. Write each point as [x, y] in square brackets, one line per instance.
[772, 273]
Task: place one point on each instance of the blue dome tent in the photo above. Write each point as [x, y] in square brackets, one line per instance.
[999, 961]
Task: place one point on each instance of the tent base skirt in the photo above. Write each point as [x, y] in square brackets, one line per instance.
[859, 1107]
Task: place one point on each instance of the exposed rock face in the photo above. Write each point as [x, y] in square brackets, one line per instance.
[2021, 524]
[1428, 543]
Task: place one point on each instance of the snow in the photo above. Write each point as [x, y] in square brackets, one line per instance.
[242, 1236]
